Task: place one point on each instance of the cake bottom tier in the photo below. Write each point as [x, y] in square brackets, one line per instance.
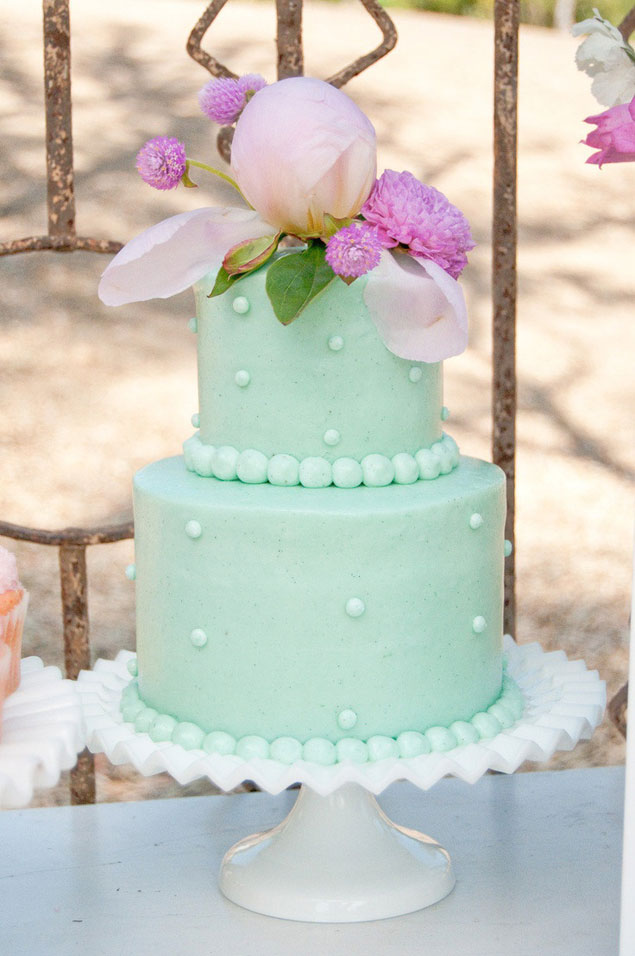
[319, 613]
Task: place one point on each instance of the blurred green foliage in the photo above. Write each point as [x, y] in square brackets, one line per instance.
[540, 12]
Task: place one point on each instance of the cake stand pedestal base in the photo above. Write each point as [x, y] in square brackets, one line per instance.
[336, 859]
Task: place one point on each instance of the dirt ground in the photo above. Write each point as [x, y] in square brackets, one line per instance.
[89, 394]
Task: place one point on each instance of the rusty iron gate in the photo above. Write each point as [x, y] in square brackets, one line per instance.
[62, 237]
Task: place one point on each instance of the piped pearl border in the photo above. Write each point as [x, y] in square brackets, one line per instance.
[564, 703]
[162, 728]
[253, 467]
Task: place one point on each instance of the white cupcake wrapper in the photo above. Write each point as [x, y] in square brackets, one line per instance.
[564, 703]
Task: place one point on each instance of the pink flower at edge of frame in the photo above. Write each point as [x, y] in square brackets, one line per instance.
[614, 137]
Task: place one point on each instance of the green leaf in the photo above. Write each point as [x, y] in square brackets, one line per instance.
[223, 282]
[295, 279]
[250, 254]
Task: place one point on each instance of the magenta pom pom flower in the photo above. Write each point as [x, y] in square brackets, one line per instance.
[224, 99]
[161, 162]
[354, 250]
[408, 213]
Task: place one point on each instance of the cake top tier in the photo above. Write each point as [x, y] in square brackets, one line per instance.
[321, 391]
[303, 159]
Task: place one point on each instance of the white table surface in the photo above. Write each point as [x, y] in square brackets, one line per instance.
[537, 858]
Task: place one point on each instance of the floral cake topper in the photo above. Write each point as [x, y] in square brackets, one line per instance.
[303, 159]
[609, 60]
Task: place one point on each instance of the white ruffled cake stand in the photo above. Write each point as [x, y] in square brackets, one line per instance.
[337, 857]
[42, 732]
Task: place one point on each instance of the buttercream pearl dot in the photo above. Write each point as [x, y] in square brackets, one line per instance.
[315, 473]
[479, 624]
[198, 637]
[131, 572]
[196, 420]
[351, 749]
[382, 748]
[202, 456]
[240, 305]
[347, 473]
[132, 667]
[252, 747]
[242, 378]
[377, 470]
[445, 413]
[251, 467]
[193, 529]
[476, 521]
[332, 436]
[347, 719]
[219, 742]
[336, 342]
[415, 374]
[193, 324]
[508, 548]
[162, 728]
[321, 751]
[428, 464]
[224, 461]
[406, 468]
[188, 735]
[444, 453]
[283, 470]
[286, 750]
[355, 607]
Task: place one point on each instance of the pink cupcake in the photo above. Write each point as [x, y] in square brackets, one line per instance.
[13, 604]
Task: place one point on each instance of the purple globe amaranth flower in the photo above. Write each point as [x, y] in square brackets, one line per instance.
[161, 162]
[224, 99]
[408, 213]
[354, 250]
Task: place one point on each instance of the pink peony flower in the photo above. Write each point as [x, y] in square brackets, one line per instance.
[303, 149]
[161, 162]
[614, 137]
[354, 250]
[411, 214]
[224, 99]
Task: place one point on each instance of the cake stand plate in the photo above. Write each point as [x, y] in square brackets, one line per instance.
[337, 857]
[42, 733]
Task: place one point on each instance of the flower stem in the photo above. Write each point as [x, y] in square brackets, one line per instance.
[217, 172]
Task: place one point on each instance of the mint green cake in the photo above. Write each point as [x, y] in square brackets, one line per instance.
[321, 574]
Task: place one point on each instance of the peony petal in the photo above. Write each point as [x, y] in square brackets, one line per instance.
[419, 309]
[169, 257]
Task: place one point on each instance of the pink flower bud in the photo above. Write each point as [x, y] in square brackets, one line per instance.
[302, 149]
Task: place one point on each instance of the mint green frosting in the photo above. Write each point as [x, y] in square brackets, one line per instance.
[323, 387]
[319, 606]
[502, 714]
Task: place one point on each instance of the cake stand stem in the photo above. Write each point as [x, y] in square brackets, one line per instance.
[336, 859]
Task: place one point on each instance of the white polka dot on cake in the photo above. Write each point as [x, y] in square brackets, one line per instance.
[198, 637]
[240, 305]
[355, 607]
